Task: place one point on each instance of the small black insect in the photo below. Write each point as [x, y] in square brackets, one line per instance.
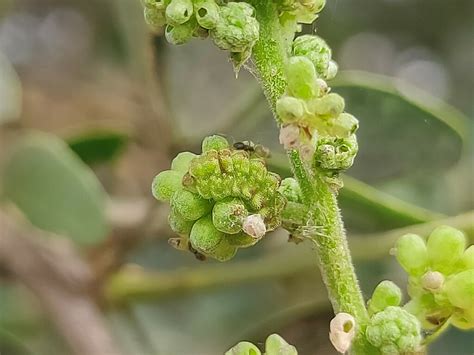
[257, 149]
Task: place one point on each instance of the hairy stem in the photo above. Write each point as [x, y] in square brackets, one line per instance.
[324, 222]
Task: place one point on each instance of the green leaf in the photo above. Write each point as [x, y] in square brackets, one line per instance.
[403, 130]
[98, 146]
[10, 92]
[55, 190]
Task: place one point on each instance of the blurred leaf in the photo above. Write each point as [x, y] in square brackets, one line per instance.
[55, 190]
[10, 92]
[403, 130]
[95, 147]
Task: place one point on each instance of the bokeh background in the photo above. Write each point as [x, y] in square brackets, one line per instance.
[93, 106]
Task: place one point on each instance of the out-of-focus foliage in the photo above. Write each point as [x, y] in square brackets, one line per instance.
[55, 190]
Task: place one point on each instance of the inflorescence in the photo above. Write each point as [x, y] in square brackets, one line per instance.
[221, 200]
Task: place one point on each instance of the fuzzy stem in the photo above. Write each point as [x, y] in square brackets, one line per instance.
[269, 56]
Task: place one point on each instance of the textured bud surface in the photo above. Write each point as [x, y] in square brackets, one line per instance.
[385, 294]
[165, 184]
[394, 331]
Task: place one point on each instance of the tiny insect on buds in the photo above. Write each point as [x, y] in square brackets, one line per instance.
[301, 77]
[179, 12]
[411, 253]
[190, 205]
[254, 226]
[342, 331]
[385, 294]
[445, 247]
[165, 184]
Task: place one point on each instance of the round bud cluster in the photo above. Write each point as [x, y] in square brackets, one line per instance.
[441, 277]
[394, 331]
[313, 118]
[232, 25]
[221, 200]
[304, 11]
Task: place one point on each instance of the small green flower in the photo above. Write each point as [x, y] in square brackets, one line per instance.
[335, 154]
[182, 161]
[214, 142]
[179, 12]
[445, 247]
[228, 215]
[190, 205]
[180, 34]
[301, 77]
[290, 109]
[155, 18]
[411, 253]
[290, 189]
[385, 294]
[179, 224]
[237, 29]
[165, 184]
[317, 51]
[207, 13]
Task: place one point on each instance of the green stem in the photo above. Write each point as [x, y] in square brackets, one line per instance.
[324, 222]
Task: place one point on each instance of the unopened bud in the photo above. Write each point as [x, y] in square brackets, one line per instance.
[342, 331]
[289, 136]
[254, 226]
[432, 281]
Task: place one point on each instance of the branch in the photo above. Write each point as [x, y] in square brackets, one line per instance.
[56, 274]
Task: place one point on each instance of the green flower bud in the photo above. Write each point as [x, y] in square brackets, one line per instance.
[241, 240]
[301, 77]
[290, 109]
[330, 105]
[460, 289]
[385, 294]
[332, 70]
[224, 251]
[290, 188]
[237, 29]
[244, 348]
[445, 247]
[204, 236]
[228, 215]
[467, 259]
[182, 161]
[276, 345]
[344, 125]
[207, 13]
[190, 205]
[412, 255]
[463, 319]
[314, 6]
[180, 34]
[335, 154]
[165, 184]
[316, 50]
[394, 331]
[215, 142]
[179, 224]
[155, 18]
[179, 12]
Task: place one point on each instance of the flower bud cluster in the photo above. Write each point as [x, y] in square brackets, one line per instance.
[304, 11]
[441, 277]
[274, 345]
[221, 200]
[231, 25]
[313, 118]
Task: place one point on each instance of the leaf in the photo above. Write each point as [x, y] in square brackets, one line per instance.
[98, 146]
[403, 130]
[10, 92]
[55, 190]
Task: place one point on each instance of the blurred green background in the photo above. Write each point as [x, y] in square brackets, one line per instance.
[93, 106]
